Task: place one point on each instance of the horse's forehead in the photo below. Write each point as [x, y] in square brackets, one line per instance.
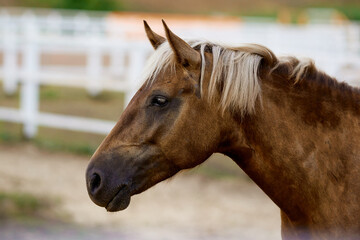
[174, 79]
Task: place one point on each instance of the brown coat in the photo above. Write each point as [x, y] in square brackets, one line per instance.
[294, 130]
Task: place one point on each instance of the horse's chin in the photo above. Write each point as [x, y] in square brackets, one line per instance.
[120, 201]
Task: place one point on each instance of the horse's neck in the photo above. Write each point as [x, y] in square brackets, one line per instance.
[305, 150]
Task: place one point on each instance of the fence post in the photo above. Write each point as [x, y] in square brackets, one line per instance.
[94, 64]
[29, 96]
[81, 24]
[354, 43]
[53, 23]
[136, 65]
[10, 56]
[117, 60]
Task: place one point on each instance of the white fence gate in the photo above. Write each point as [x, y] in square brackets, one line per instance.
[31, 36]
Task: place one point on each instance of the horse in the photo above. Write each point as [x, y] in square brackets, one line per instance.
[294, 130]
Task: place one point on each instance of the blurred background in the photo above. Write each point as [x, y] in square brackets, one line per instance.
[67, 71]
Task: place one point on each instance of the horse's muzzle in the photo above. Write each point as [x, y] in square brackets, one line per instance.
[105, 191]
[121, 200]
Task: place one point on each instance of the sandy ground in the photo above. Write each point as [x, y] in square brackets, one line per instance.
[190, 206]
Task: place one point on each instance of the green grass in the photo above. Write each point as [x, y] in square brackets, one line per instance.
[74, 101]
[221, 167]
[22, 205]
[69, 101]
[52, 139]
[10, 132]
[103, 5]
[107, 105]
[352, 12]
[68, 141]
[12, 101]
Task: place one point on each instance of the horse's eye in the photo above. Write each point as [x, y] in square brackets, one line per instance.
[159, 101]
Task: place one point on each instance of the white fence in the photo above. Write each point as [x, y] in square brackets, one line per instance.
[28, 37]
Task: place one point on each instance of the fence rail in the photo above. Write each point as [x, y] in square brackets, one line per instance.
[27, 37]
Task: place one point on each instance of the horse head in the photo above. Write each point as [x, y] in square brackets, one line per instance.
[167, 126]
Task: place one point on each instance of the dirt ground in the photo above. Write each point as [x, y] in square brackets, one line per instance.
[190, 206]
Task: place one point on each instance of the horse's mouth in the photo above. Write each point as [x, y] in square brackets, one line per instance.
[121, 199]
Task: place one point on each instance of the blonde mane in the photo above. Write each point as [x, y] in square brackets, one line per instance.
[236, 70]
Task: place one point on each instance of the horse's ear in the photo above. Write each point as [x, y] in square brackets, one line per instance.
[155, 39]
[184, 53]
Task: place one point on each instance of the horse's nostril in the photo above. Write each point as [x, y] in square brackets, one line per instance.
[94, 182]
